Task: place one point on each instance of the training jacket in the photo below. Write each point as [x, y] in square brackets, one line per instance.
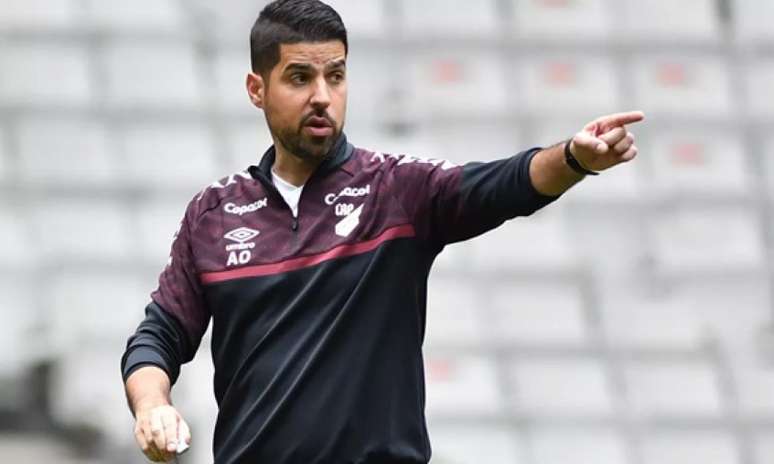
[318, 322]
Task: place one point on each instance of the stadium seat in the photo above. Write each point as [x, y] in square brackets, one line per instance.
[752, 20]
[667, 20]
[474, 444]
[170, 156]
[81, 306]
[5, 168]
[560, 445]
[680, 447]
[362, 19]
[75, 389]
[635, 318]
[760, 81]
[673, 388]
[539, 388]
[158, 219]
[577, 84]
[764, 447]
[79, 230]
[72, 152]
[454, 314]
[682, 85]
[561, 20]
[371, 84]
[539, 314]
[137, 15]
[458, 385]
[26, 71]
[168, 77]
[537, 244]
[707, 240]
[450, 84]
[424, 19]
[698, 165]
[19, 328]
[14, 234]
[247, 144]
[230, 68]
[38, 14]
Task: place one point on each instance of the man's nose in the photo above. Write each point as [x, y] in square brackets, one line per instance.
[321, 98]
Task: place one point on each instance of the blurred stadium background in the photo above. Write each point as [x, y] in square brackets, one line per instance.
[630, 323]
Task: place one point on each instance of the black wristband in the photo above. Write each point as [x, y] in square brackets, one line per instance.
[574, 163]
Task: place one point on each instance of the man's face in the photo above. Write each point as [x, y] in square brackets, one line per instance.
[305, 98]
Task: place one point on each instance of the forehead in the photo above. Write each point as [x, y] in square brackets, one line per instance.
[317, 54]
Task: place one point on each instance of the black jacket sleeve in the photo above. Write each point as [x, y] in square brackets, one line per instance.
[159, 341]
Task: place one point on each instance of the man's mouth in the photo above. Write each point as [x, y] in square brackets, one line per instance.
[318, 126]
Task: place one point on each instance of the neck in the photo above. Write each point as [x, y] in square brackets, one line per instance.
[291, 168]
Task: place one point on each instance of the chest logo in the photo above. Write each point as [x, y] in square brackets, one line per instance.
[239, 252]
[349, 192]
[232, 208]
[348, 224]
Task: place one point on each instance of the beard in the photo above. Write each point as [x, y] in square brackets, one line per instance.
[305, 146]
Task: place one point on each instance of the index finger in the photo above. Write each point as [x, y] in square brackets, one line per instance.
[620, 119]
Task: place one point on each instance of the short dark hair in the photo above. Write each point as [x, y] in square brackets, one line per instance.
[290, 22]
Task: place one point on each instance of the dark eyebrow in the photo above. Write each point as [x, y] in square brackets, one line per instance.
[299, 67]
[337, 64]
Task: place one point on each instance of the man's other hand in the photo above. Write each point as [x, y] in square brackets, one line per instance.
[158, 430]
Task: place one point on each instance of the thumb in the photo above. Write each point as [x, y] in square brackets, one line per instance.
[585, 140]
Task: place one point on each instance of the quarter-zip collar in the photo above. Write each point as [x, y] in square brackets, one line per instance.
[339, 153]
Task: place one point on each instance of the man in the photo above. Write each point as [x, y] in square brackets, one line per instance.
[313, 267]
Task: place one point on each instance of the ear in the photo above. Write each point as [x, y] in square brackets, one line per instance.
[255, 89]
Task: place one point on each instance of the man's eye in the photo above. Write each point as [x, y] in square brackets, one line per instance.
[298, 79]
[337, 77]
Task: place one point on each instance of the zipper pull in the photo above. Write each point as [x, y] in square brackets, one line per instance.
[295, 224]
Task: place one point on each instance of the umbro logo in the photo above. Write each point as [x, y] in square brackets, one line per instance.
[241, 235]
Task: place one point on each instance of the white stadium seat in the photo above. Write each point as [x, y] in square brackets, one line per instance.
[362, 19]
[231, 67]
[247, 144]
[5, 168]
[764, 447]
[137, 15]
[72, 152]
[673, 389]
[567, 20]
[170, 156]
[698, 164]
[461, 385]
[19, 331]
[371, 84]
[760, 81]
[768, 163]
[90, 306]
[450, 84]
[680, 447]
[714, 240]
[577, 84]
[158, 220]
[454, 314]
[168, 77]
[26, 71]
[667, 20]
[68, 229]
[541, 313]
[555, 445]
[538, 244]
[474, 444]
[14, 234]
[752, 20]
[540, 387]
[683, 85]
[89, 375]
[450, 18]
[38, 14]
